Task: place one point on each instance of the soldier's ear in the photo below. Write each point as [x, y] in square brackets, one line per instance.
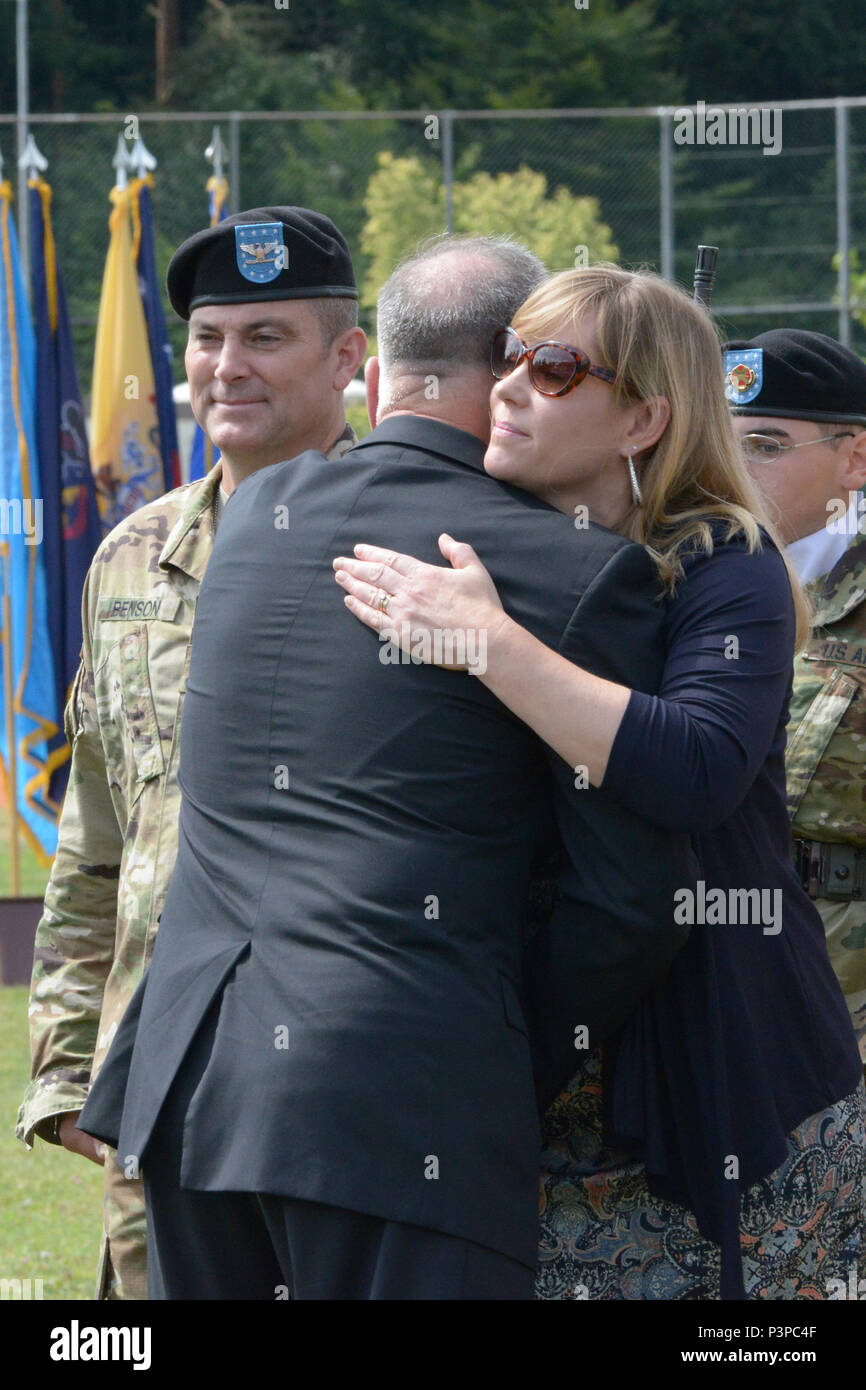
[854, 472]
[351, 347]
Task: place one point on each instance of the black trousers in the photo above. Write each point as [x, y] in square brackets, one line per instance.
[251, 1245]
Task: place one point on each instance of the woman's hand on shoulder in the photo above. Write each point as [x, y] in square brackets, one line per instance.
[442, 616]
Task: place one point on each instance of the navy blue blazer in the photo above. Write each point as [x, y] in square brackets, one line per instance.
[357, 842]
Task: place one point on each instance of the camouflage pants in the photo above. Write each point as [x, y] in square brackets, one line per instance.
[845, 928]
[123, 1255]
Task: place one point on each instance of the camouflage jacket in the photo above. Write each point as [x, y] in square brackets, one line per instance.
[826, 754]
[118, 830]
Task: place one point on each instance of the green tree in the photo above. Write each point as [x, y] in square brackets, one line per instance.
[238, 57]
[557, 226]
[99, 54]
[775, 51]
[477, 53]
[405, 202]
[857, 283]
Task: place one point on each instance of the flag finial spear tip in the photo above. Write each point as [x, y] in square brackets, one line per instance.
[140, 158]
[121, 161]
[215, 152]
[33, 160]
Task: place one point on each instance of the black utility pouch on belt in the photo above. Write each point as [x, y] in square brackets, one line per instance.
[837, 872]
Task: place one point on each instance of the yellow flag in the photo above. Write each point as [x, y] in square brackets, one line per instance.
[127, 462]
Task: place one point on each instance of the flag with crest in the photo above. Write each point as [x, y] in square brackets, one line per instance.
[71, 515]
[31, 725]
[125, 444]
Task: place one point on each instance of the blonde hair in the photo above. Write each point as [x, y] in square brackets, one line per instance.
[659, 342]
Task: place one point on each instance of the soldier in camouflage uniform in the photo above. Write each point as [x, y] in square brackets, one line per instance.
[799, 400]
[273, 344]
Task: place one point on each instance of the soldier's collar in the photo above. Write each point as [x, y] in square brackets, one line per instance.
[843, 588]
[343, 443]
[184, 549]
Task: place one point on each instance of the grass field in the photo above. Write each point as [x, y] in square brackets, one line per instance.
[50, 1200]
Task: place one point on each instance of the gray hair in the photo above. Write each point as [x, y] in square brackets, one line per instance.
[335, 316]
[436, 317]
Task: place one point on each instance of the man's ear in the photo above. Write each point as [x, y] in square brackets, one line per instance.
[853, 474]
[371, 381]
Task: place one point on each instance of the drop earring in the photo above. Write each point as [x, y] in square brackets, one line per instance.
[635, 489]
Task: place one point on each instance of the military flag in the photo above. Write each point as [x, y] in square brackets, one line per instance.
[71, 514]
[204, 454]
[125, 446]
[144, 251]
[30, 725]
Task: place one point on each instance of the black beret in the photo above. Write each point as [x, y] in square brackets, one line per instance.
[797, 375]
[265, 253]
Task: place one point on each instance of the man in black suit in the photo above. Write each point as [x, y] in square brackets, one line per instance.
[326, 1075]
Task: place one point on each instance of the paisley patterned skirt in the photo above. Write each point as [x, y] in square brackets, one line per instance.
[605, 1236]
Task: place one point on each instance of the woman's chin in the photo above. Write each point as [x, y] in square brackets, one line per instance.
[499, 465]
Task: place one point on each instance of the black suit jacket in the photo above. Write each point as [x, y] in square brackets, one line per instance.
[356, 845]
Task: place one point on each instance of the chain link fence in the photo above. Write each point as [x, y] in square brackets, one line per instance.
[781, 220]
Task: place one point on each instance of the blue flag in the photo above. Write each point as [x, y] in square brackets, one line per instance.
[72, 529]
[204, 454]
[160, 348]
[34, 700]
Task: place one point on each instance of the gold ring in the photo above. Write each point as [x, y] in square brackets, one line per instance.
[384, 600]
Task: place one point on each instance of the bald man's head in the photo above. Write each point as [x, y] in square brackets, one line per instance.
[440, 309]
